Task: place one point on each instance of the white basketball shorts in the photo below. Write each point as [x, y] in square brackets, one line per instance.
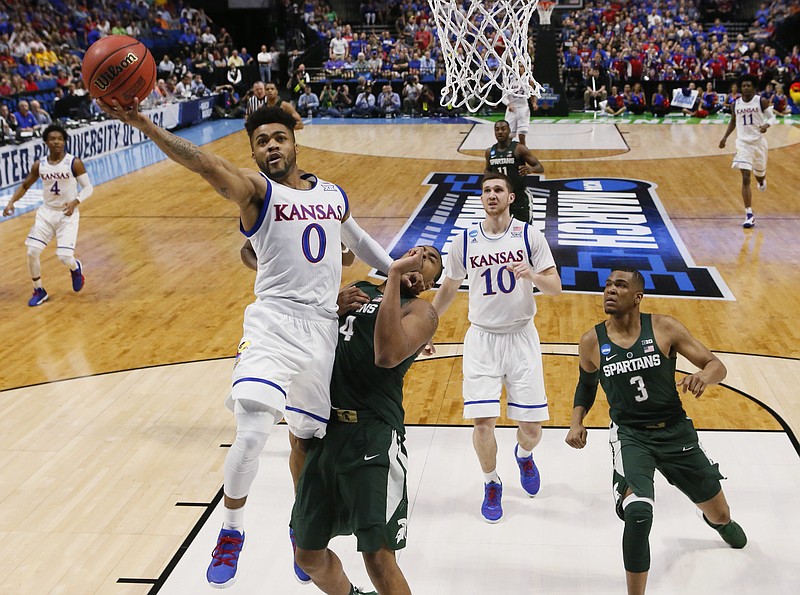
[513, 359]
[286, 363]
[52, 222]
[520, 119]
[752, 156]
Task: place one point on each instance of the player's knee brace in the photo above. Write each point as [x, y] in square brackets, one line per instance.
[241, 464]
[67, 261]
[635, 538]
[34, 264]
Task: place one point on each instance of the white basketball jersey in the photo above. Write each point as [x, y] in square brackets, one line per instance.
[59, 184]
[498, 302]
[749, 118]
[297, 240]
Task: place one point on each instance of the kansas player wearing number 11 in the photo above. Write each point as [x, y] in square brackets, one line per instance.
[284, 362]
[61, 173]
[504, 258]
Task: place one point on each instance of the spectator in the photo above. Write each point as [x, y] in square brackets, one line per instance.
[264, 65]
[615, 104]
[780, 103]
[411, 93]
[8, 117]
[43, 119]
[660, 102]
[308, 103]
[300, 78]
[183, 90]
[375, 64]
[166, 67]
[338, 47]
[342, 101]
[245, 56]
[388, 102]
[595, 90]
[365, 104]
[235, 61]
[427, 65]
[326, 106]
[26, 121]
[637, 103]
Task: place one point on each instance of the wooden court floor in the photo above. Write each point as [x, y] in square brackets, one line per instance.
[102, 434]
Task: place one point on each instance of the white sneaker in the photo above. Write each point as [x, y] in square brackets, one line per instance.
[762, 187]
[749, 221]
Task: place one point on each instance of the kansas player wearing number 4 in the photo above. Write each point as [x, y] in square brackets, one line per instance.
[752, 116]
[283, 368]
[503, 258]
[61, 173]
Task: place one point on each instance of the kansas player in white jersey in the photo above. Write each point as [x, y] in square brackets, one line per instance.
[518, 116]
[295, 225]
[503, 258]
[58, 217]
[752, 116]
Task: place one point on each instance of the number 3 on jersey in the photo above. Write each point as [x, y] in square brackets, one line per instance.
[639, 382]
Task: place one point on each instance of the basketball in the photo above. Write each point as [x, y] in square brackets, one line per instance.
[118, 67]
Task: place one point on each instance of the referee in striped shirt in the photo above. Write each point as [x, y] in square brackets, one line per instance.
[257, 100]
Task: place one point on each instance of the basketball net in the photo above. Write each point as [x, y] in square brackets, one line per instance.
[545, 10]
[485, 47]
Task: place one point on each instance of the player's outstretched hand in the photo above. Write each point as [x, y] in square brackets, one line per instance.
[129, 115]
[576, 437]
[694, 383]
[8, 211]
[350, 298]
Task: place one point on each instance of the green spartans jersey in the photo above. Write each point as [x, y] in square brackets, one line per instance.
[639, 382]
[503, 161]
[357, 383]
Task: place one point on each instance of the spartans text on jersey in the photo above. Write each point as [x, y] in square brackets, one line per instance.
[632, 365]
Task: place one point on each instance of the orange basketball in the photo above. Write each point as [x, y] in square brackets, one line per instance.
[118, 67]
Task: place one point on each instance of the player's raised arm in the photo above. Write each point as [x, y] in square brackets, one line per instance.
[402, 331]
[29, 181]
[711, 370]
[229, 181]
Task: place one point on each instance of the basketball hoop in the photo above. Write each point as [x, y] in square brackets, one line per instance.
[485, 47]
[545, 10]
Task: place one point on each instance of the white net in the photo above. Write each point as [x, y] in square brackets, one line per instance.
[485, 50]
[545, 12]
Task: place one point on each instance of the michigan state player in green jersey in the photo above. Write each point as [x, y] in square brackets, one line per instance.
[633, 355]
[514, 160]
[354, 479]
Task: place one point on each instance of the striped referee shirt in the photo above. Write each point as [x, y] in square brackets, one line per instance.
[255, 103]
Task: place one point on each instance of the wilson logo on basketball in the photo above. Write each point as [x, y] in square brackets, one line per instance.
[105, 79]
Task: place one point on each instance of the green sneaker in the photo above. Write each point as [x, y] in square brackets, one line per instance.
[732, 533]
[358, 591]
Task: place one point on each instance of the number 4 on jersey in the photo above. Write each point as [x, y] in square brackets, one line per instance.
[54, 189]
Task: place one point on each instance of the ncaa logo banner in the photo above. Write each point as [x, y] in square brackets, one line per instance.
[591, 225]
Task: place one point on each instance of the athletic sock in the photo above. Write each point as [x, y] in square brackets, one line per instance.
[522, 453]
[492, 476]
[233, 519]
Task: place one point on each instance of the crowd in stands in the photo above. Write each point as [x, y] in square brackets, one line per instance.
[614, 44]
[42, 45]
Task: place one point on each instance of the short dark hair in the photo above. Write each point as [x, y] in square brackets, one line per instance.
[496, 175]
[748, 77]
[636, 276]
[55, 128]
[269, 115]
